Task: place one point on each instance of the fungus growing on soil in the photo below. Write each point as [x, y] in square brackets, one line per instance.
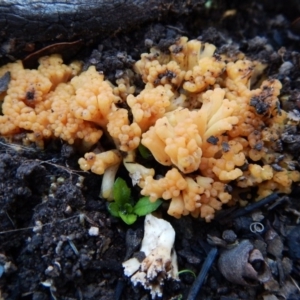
[199, 115]
[160, 260]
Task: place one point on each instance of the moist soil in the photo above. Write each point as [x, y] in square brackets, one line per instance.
[48, 206]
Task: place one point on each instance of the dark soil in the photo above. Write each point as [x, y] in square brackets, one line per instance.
[47, 205]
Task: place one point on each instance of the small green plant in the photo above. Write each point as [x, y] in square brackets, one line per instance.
[187, 271]
[124, 207]
[145, 152]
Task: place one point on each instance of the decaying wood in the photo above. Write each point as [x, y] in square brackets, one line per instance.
[24, 25]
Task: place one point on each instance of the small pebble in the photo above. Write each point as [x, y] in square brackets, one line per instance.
[285, 67]
[229, 236]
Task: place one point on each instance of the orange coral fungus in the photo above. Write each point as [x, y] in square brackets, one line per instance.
[198, 115]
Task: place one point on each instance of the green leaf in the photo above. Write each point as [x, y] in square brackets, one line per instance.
[114, 209]
[121, 192]
[128, 218]
[128, 208]
[144, 206]
[145, 152]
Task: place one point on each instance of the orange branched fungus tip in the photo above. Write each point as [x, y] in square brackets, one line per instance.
[198, 115]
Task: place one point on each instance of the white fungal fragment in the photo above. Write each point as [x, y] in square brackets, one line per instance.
[161, 260]
[135, 178]
[94, 231]
[131, 266]
[108, 182]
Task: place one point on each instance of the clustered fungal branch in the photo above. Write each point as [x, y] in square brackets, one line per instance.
[197, 114]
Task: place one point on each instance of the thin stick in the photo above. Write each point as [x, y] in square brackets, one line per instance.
[27, 228]
[202, 275]
[223, 218]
